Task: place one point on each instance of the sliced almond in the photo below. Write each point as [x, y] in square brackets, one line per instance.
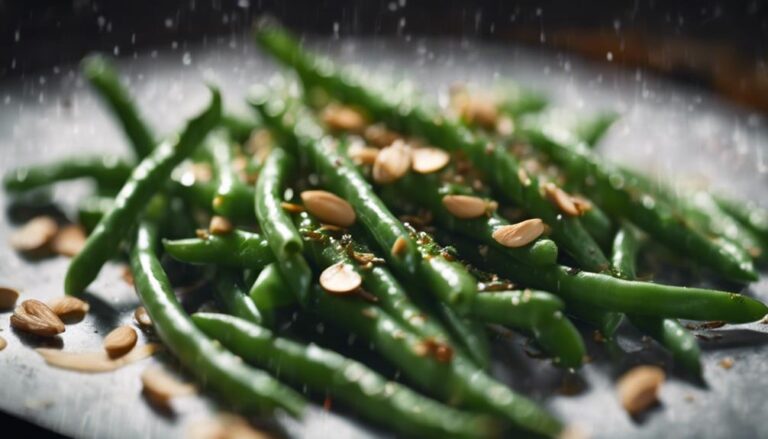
[465, 206]
[479, 110]
[380, 136]
[522, 175]
[340, 278]
[561, 199]
[69, 308]
[399, 246]
[120, 341]
[520, 234]
[343, 118]
[582, 204]
[142, 318]
[392, 163]
[35, 235]
[505, 126]
[329, 208]
[93, 362]
[8, 297]
[220, 226]
[361, 154]
[127, 275]
[429, 159]
[160, 387]
[291, 207]
[202, 172]
[69, 240]
[36, 318]
[3, 343]
[638, 389]
[225, 426]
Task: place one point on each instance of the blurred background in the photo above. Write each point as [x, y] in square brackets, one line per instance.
[720, 45]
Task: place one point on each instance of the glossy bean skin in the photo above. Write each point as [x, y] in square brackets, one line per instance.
[402, 114]
[680, 342]
[147, 179]
[619, 295]
[108, 173]
[269, 292]
[230, 191]
[244, 387]
[239, 249]
[277, 226]
[103, 77]
[231, 297]
[622, 196]
[351, 382]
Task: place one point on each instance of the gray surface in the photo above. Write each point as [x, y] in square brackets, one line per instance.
[663, 128]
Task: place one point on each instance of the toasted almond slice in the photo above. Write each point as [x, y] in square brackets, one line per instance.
[522, 175]
[392, 163]
[465, 206]
[8, 297]
[225, 426]
[340, 278]
[561, 199]
[35, 235]
[36, 318]
[202, 172]
[520, 234]
[142, 318]
[120, 341]
[329, 208]
[638, 389]
[3, 343]
[127, 275]
[582, 204]
[429, 159]
[380, 136]
[69, 240]
[93, 362]
[160, 387]
[399, 246]
[343, 118]
[505, 126]
[69, 308]
[291, 207]
[364, 155]
[480, 110]
[220, 226]
[727, 363]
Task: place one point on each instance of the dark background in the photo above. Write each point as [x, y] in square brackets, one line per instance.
[722, 45]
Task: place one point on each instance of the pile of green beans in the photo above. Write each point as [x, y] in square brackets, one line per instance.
[427, 283]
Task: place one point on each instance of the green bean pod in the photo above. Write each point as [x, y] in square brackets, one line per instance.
[592, 129]
[278, 228]
[352, 382]
[269, 293]
[613, 294]
[749, 214]
[238, 249]
[230, 296]
[229, 189]
[244, 387]
[491, 159]
[146, 180]
[92, 209]
[107, 172]
[618, 194]
[103, 78]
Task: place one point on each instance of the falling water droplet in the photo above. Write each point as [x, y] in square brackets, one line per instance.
[186, 59]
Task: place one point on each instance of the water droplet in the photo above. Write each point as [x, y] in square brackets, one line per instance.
[17, 36]
[174, 45]
[609, 56]
[116, 50]
[245, 4]
[186, 59]
[169, 22]
[101, 21]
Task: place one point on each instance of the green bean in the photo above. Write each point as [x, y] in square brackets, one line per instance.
[278, 228]
[92, 209]
[232, 299]
[269, 292]
[103, 78]
[229, 190]
[490, 158]
[618, 194]
[297, 128]
[239, 127]
[242, 386]
[607, 322]
[517, 101]
[613, 294]
[457, 380]
[749, 214]
[352, 382]
[145, 181]
[236, 249]
[469, 334]
[107, 172]
[323, 250]
[430, 195]
[668, 332]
